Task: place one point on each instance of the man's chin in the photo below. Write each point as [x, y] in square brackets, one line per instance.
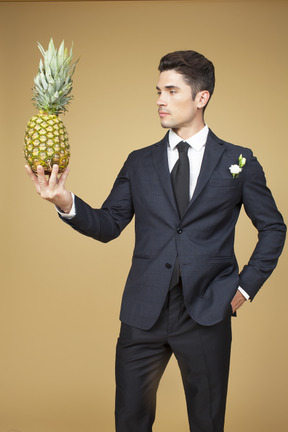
[165, 125]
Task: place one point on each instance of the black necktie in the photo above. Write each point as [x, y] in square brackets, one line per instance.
[180, 176]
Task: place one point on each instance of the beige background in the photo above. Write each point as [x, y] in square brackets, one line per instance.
[59, 289]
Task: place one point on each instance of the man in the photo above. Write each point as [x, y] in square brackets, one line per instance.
[185, 192]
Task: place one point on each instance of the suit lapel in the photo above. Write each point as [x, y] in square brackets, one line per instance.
[213, 151]
[160, 162]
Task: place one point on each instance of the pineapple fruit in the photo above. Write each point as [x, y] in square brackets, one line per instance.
[46, 139]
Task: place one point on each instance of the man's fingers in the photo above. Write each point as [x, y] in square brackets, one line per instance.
[30, 172]
[53, 180]
[33, 177]
[63, 177]
[237, 301]
[41, 177]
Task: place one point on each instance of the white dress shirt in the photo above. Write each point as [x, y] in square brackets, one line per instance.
[196, 150]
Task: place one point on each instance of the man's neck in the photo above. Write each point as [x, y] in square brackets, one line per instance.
[188, 132]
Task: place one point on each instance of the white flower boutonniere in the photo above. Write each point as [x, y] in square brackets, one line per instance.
[236, 169]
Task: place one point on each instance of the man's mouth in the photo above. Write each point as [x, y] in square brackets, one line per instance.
[163, 113]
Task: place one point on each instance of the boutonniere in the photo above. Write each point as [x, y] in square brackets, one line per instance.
[236, 169]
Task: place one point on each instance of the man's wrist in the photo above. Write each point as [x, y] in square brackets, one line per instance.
[244, 293]
[69, 211]
[66, 206]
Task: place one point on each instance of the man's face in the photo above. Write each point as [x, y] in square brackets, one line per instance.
[176, 108]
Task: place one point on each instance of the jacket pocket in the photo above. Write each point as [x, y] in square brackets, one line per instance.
[224, 258]
[224, 182]
[141, 256]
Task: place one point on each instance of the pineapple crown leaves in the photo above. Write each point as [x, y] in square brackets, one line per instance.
[53, 83]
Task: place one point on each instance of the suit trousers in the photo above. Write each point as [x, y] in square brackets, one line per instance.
[203, 355]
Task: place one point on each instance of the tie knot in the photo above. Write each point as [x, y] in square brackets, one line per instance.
[183, 147]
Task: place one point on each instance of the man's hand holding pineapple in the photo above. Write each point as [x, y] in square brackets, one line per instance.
[52, 189]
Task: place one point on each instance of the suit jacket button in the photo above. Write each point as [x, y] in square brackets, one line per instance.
[168, 266]
[179, 230]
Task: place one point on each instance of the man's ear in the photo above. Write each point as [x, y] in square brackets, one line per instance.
[202, 98]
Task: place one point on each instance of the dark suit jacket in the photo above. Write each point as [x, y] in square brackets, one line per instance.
[203, 239]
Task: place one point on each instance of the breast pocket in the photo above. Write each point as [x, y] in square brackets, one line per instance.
[224, 182]
[223, 191]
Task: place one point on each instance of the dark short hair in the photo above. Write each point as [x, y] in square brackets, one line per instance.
[196, 69]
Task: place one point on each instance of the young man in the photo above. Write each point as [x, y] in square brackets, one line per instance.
[185, 192]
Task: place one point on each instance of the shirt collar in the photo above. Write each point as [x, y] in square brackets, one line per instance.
[197, 141]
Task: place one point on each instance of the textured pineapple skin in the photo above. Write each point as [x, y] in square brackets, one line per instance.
[46, 143]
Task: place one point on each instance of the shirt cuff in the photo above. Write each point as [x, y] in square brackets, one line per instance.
[244, 293]
[72, 211]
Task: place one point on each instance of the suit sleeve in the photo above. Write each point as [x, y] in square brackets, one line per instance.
[261, 209]
[106, 223]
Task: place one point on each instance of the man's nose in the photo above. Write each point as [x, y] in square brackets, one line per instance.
[161, 101]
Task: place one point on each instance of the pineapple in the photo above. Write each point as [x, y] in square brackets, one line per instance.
[46, 139]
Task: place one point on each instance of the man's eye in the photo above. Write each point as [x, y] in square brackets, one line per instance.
[172, 91]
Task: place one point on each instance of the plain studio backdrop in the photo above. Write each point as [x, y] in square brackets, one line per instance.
[59, 289]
